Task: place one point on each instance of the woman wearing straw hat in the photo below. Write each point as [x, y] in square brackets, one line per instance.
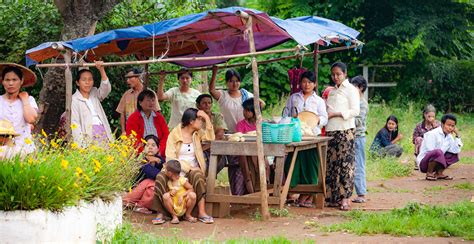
[17, 107]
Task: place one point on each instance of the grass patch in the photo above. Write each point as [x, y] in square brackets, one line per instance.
[466, 160]
[274, 212]
[128, 234]
[435, 188]
[468, 186]
[413, 220]
[386, 168]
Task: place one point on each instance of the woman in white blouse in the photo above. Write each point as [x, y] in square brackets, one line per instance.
[343, 105]
[88, 120]
[440, 149]
[306, 166]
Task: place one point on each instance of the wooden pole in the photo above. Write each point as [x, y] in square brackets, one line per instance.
[316, 70]
[258, 114]
[68, 79]
[146, 77]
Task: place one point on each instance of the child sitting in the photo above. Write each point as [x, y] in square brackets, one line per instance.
[180, 199]
[250, 170]
[141, 196]
[385, 141]
[249, 123]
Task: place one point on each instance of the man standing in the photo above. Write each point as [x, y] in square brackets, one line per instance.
[128, 102]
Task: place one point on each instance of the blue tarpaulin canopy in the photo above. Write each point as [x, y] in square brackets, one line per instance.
[211, 33]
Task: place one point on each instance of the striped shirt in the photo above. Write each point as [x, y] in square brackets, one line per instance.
[149, 125]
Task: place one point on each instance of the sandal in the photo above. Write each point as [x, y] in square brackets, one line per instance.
[142, 210]
[431, 178]
[359, 200]
[158, 221]
[306, 204]
[190, 219]
[206, 219]
[444, 177]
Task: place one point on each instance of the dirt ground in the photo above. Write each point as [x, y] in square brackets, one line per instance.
[383, 195]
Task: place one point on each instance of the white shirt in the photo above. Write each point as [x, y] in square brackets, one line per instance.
[95, 116]
[313, 103]
[346, 100]
[187, 154]
[231, 108]
[436, 139]
[13, 112]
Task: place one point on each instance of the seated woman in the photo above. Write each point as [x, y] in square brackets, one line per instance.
[87, 113]
[429, 123]
[440, 149]
[307, 162]
[184, 145]
[141, 196]
[385, 141]
[146, 121]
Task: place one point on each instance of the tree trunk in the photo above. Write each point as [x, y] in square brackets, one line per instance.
[79, 19]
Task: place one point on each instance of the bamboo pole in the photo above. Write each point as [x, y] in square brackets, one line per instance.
[68, 79]
[142, 62]
[146, 77]
[258, 114]
[316, 70]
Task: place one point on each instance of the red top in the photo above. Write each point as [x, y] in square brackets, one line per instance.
[136, 123]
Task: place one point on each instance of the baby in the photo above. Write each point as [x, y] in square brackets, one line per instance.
[181, 198]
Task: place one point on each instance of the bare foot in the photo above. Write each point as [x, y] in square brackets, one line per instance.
[175, 220]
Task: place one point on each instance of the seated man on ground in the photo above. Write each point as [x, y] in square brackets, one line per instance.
[440, 149]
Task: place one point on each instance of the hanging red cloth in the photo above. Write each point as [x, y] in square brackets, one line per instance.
[294, 76]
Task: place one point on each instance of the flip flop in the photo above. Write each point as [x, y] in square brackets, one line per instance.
[206, 219]
[431, 178]
[190, 219]
[444, 177]
[306, 204]
[359, 200]
[158, 221]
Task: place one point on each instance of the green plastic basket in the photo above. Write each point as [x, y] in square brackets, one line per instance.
[277, 133]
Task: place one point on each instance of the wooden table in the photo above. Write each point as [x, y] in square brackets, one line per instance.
[277, 192]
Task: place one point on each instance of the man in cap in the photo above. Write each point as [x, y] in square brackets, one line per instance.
[128, 102]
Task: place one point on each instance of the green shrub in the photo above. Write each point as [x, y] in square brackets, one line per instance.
[58, 176]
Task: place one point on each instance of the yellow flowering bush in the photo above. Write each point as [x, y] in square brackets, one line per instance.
[61, 174]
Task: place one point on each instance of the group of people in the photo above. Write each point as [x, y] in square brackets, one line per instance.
[172, 179]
